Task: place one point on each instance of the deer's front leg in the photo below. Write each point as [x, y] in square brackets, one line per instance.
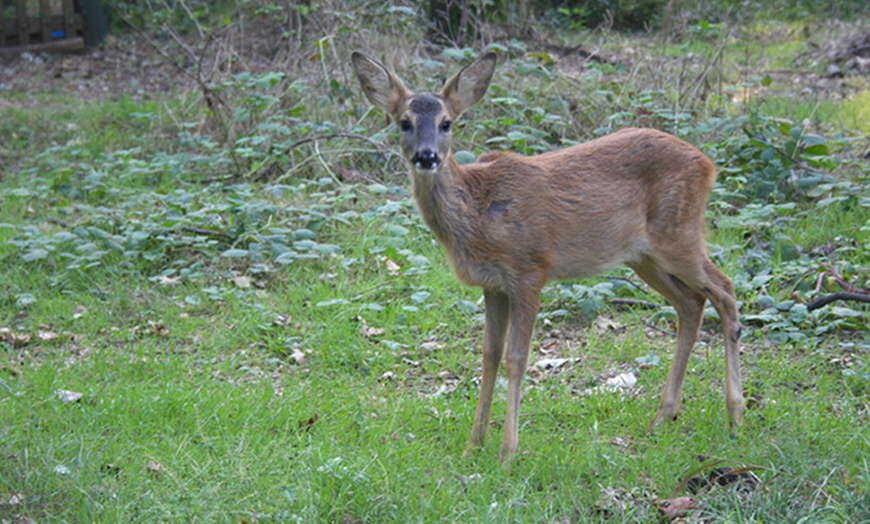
[524, 309]
[497, 317]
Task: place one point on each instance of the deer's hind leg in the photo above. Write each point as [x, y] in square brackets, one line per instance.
[689, 305]
[720, 290]
[698, 277]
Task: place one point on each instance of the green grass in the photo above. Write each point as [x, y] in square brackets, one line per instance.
[192, 425]
[856, 111]
[141, 266]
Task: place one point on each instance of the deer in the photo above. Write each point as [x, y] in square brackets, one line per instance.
[510, 224]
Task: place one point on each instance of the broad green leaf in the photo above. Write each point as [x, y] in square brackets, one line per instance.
[651, 359]
[304, 245]
[235, 253]
[35, 254]
[24, 299]
[798, 313]
[327, 249]
[785, 305]
[844, 312]
[467, 306]
[418, 261]
[812, 140]
[421, 296]
[333, 302]
[304, 234]
[286, 258]
[464, 157]
[396, 230]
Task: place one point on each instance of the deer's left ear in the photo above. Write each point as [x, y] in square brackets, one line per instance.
[380, 85]
[468, 86]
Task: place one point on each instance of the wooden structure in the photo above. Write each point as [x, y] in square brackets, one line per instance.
[34, 25]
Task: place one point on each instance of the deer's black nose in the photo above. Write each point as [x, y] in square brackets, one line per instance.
[426, 159]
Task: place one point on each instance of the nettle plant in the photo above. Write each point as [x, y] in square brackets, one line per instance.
[775, 174]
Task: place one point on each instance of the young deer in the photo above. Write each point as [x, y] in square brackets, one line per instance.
[511, 223]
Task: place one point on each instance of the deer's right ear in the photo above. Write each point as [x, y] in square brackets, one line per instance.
[381, 87]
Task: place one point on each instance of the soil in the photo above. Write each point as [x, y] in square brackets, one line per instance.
[130, 65]
[118, 68]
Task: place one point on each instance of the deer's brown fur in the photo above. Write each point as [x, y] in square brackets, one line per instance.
[511, 223]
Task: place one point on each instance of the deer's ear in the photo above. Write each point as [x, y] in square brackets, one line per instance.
[468, 86]
[380, 85]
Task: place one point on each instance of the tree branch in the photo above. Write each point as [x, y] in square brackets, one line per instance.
[841, 295]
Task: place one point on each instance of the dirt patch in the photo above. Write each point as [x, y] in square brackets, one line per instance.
[121, 67]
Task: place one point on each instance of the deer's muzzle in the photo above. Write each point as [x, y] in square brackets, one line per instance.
[426, 159]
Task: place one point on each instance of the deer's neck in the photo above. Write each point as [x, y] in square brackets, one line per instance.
[444, 201]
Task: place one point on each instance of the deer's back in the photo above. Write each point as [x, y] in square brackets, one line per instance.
[584, 209]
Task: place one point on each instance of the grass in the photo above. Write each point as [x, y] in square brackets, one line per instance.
[145, 266]
[197, 424]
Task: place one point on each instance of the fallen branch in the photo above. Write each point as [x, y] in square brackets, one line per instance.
[841, 295]
[645, 304]
[206, 232]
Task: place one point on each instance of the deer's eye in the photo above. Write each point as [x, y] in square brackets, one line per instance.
[445, 126]
[405, 125]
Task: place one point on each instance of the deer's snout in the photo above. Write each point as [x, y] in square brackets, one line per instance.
[426, 159]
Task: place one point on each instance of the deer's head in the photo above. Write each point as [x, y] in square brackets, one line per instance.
[425, 120]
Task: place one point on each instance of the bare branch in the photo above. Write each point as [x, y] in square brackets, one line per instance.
[841, 295]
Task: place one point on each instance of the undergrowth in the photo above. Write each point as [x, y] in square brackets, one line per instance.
[220, 304]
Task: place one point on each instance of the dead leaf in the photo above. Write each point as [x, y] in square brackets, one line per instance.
[281, 320]
[465, 481]
[47, 336]
[68, 396]
[676, 508]
[625, 383]
[155, 469]
[603, 325]
[743, 479]
[13, 339]
[620, 442]
[350, 175]
[555, 363]
[367, 331]
[755, 401]
[653, 333]
[242, 282]
[158, 329]
[168, 281]
[79, 311]
[298, 357]
[614, 501]
[621, 381]
[392, 267]
[308, 423]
